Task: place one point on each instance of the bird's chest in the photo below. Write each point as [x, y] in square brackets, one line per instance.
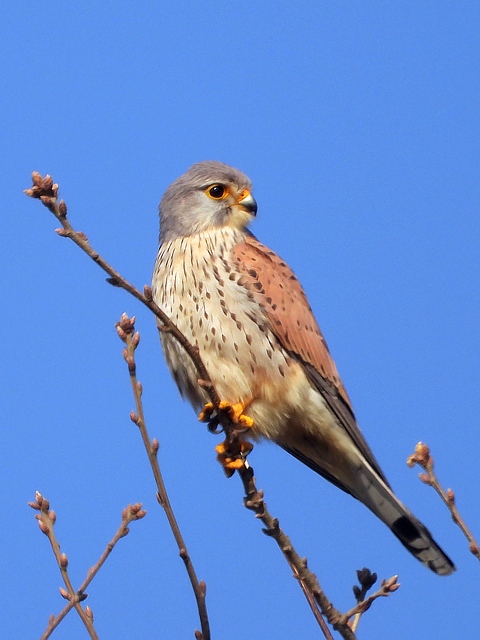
[196, 283]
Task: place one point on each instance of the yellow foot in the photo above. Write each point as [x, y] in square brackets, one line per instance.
[236, 415]
[234, 411]
[230, 461]
[205, 414]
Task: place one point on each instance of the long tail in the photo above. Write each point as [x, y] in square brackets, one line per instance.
[414, 535]
[365, 485]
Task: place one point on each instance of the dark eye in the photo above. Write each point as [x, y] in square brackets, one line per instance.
[217, 191]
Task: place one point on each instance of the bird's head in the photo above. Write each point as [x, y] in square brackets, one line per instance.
[210, 195]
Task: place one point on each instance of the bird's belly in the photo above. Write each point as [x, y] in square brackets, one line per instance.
[243, 363]
[244, 359]
[274, 390]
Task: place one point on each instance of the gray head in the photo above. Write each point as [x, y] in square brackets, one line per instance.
[210, 195]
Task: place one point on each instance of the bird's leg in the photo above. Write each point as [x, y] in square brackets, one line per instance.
[232, 460]
[236, 413]
[232, 452]
[233, 411]
[207, 412]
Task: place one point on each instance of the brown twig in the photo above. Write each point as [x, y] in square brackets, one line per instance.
[424, 459]
[126, 332]
[47, 192]
[46, 520]
[388, 586]
[307, 579]
[366, 580]
[317, 614]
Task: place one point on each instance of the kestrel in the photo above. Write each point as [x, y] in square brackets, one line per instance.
[245, 310]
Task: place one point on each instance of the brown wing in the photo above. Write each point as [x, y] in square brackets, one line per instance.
[280, 293]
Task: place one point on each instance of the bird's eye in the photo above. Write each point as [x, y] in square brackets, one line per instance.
[217, 191]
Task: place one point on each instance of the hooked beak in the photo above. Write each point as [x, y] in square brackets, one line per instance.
[248, 202]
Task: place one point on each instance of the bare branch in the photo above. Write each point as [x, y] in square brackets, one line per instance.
[388, 586]
[307, 579]
[366, 580]
[47, 192]
[46, 520]
[126, 331]
[424, 459]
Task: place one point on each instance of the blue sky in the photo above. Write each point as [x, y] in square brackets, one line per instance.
[359, 126]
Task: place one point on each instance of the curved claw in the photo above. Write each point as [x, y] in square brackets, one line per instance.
[234, 412]
[236, 415]
[232, 462]
[205, 414]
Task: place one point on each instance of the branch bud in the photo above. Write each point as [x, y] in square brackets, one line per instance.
[62, 208]
[131, 365]
[391, 585]
[48, 201]
[38, 498]
[122, 335]
[37, 178]
[147, 292]
[47, 182]
[43, 527]
[424, 477]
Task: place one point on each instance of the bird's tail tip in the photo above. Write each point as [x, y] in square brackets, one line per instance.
[419, 541]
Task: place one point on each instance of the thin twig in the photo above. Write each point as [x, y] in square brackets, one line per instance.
[317, 614]
[388, 586]
[47, 192]
[126, 331]
[46, 520]
[424, 459]
[308, 580]
[366, 580]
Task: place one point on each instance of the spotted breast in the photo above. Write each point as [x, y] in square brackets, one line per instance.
[197, 283]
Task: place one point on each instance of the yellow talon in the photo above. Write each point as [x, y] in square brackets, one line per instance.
[234, 411]
[205, 414]
[229, 461]
[246, 421]
[220, 449]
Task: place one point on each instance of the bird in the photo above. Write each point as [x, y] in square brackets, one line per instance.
[242, 307]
